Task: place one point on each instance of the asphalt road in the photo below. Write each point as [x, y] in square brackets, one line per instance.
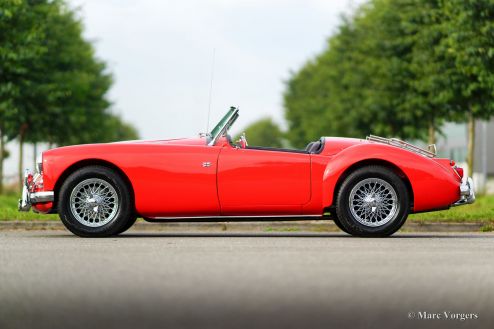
[208, 280]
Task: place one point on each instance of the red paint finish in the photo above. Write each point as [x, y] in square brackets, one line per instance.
[167, 179]
[434, 185]
[186, 177]
[43, 207]
[252, 181]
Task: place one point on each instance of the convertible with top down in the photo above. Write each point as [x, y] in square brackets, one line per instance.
[368, 187]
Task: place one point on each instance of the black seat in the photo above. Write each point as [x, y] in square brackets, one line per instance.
[308, 147]
[314, 147]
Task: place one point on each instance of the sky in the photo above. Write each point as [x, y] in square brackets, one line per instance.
[160, 53]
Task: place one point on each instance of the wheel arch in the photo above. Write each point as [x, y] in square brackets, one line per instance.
[92, 162]
[368, 162]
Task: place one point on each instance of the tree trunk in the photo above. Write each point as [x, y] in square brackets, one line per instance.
[432, 132]
[2, 152]
[471, 142]
[22, 133]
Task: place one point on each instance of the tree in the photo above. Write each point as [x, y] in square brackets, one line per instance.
[398, 68]
[359, 84]
[469, 49]
[52, 87]
[21, 43]
[263, 132]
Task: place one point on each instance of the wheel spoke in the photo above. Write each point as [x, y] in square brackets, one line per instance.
[373, 202]
[94, 202]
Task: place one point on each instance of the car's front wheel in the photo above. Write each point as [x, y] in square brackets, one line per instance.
[373, 201]
[94, 201]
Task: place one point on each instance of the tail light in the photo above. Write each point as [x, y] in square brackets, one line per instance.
[459, 171]
[29, 179]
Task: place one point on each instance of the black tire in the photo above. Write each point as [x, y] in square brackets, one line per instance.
[396, 210]
[122, 217]
[337, 221]
[129, 224]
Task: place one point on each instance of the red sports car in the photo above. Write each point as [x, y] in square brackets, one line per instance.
[368, 187]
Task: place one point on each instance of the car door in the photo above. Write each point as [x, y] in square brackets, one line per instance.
[174, 181]
[262, 182]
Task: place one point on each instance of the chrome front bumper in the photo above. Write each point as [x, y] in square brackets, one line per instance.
[29, 198]
[467, 193]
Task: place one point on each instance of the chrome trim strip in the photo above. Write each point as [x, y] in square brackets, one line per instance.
[219, 217]
[467, 193]
[45, 196]
[430, 152]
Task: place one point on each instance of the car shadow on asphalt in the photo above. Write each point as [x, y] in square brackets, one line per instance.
[144, 235]
[289, 235]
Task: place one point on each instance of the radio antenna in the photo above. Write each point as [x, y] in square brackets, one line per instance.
[210, 90]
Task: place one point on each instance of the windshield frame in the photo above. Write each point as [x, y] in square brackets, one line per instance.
[223, 125]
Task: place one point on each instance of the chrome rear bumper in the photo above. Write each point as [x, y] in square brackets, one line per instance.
[467, 193]
[29, 198]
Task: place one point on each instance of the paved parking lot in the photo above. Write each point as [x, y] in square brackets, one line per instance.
[228, 280]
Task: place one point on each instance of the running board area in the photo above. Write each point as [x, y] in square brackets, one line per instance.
[207, 219]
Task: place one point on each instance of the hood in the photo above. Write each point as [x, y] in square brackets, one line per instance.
[174, 141]
[89, 148]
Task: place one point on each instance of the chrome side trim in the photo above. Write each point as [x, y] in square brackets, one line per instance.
[467, 193]
[220, 218]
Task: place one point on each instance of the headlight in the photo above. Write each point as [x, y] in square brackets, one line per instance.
[39, 163]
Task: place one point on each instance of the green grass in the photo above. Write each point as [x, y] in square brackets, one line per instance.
[481, 211]
[8, 210]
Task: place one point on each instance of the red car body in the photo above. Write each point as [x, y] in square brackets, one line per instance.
[368, 186]
[188, 178]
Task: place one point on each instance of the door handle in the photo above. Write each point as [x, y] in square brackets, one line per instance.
[206, 164]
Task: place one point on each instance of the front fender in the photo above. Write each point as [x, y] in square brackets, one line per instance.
[434, 187]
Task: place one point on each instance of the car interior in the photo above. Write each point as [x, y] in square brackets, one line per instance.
[312, 148]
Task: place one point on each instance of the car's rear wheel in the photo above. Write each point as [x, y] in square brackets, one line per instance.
[94, 201]
[373, 201]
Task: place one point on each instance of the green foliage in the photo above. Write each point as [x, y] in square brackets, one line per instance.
[469, 48]
[8, 210]
[480, 211]
[263, 132]
[487, 228]
[397, 68]
[52, 87]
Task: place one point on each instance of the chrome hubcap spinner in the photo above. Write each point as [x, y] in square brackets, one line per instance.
[373, 202]
[94, 202]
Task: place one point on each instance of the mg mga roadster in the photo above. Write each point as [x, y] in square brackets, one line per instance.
[368, 187]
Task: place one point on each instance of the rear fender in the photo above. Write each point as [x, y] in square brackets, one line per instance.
[432, 186]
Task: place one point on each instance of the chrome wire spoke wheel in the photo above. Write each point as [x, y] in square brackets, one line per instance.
[94, 202]
[373, 202]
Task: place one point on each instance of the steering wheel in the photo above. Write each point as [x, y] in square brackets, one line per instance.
[242, 141]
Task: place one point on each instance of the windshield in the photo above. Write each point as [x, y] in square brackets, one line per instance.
[223, 125]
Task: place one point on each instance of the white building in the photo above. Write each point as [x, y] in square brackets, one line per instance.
[453, 144]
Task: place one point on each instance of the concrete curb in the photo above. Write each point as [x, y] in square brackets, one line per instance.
[266, 226]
